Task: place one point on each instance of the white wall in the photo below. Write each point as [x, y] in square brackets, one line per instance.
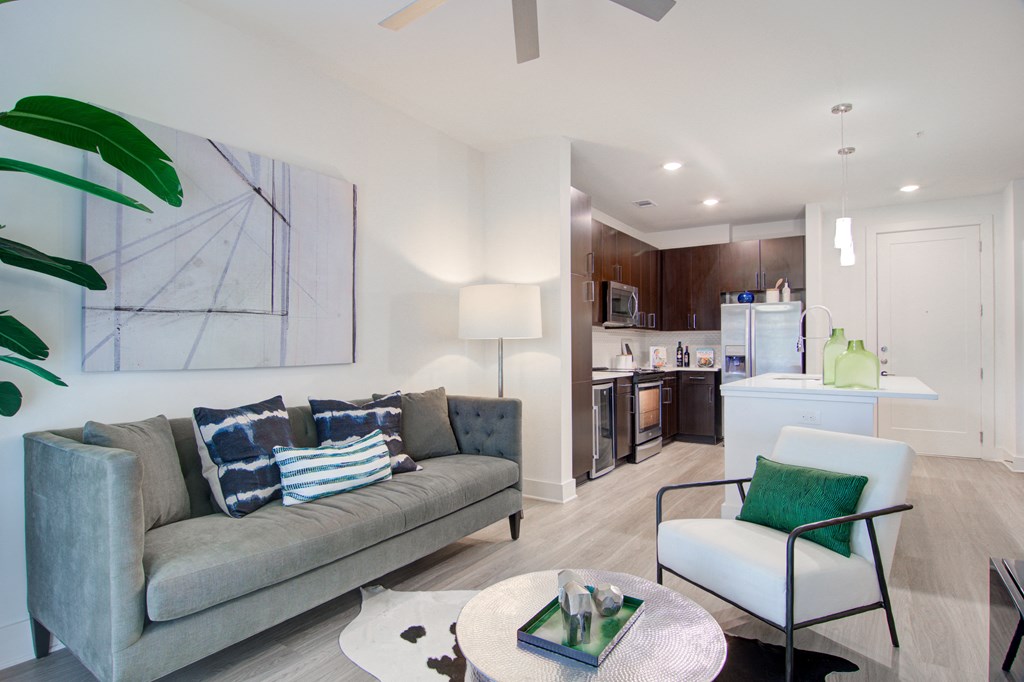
[419, 225]
[526, 240]
[1010, 348]
[845, 289]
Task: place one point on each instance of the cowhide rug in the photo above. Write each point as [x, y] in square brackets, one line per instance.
[410, 637]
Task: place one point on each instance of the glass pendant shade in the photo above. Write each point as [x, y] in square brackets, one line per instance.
[857, 367]
[844, 233]
[846, 256]
[834, 347]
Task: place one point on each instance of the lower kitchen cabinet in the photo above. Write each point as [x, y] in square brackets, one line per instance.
[669, 406]
[623, 417]
[700, 406]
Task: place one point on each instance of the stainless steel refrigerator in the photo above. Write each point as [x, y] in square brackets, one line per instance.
[758, 338]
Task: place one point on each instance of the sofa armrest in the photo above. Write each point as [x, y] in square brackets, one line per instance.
[85, 528]
[488, 426]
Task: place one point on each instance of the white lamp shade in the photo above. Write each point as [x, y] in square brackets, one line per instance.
[844, 233]
[846, 256]
[499, 311]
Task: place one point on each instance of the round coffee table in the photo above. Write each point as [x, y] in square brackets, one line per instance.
[673, 639]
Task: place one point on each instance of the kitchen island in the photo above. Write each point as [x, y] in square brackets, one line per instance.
[757, 408]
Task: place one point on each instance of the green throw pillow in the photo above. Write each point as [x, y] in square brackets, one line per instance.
[784, 496]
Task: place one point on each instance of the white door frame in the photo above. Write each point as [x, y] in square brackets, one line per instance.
[984, 223]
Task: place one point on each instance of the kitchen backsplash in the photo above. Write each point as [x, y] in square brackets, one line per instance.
[607, 343]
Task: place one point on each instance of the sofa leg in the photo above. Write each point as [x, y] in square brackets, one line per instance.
[513, 524]
[40, 639]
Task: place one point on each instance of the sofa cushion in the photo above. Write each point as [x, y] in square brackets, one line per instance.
[198, 563]
[309, 474]
[164, 497]
[236, 447]
[426, 427]
[339, 422]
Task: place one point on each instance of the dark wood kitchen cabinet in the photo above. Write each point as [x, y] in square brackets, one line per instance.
[755, 265]
[623, 417]
[619, 257]
[580, 313]
[690, 289]
[700, 406]
[669, 406]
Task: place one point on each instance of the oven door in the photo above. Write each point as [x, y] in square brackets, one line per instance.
[647, 421]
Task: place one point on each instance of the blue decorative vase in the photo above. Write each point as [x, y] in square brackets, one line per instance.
[745, 297]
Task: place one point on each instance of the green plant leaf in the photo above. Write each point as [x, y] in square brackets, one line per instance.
[34, 368]
[22, 256]
[22, 340]
[93, 129]
[10, 396]
[71, 181]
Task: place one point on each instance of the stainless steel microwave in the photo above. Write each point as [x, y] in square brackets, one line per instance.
[621, 304]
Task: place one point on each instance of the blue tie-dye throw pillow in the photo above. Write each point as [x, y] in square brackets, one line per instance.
[236, 446]
[339, 422]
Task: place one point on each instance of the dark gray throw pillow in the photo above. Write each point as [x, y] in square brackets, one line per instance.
[426, 429]
[164, 496]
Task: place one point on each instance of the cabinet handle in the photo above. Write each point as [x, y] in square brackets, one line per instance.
[764, 279]
[590, 263]
[641, 319]
[651, 320]
[668, 400]
[695, 320]
[697, 377]
[757, 280]
[589, 292]
[618, 273]
[711, 397]
[632, 405]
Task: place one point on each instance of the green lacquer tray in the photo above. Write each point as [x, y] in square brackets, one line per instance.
[544, 631]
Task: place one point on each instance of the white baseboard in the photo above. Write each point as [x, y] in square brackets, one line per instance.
[548, 491]
[16, 644]
[1013, 462]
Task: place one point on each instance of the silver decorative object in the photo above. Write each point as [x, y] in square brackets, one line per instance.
[577, 613]
[569, 576]
[608, 599]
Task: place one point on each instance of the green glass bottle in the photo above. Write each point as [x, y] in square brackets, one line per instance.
[834, 347]
[857, 368]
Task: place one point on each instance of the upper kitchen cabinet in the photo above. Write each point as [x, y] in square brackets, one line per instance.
[756, 265]
[650, 288]
[581, 249]
[619, 257]
[690, 289]
[782, 258]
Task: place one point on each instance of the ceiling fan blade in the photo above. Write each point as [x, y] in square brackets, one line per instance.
[410, 13]
[652, 9]
[524, 22]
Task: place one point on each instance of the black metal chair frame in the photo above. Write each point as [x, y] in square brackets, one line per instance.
[789, 627]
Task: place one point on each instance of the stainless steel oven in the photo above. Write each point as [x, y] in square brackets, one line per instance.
[646, 417]
[621, 304]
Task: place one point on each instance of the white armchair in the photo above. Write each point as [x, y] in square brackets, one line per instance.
[784, 580]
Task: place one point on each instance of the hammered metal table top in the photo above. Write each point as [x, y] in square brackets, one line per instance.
[674, 638]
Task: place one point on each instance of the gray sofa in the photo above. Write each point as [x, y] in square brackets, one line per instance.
[136, 605]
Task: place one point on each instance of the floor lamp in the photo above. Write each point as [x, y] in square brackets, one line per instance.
[499, 311]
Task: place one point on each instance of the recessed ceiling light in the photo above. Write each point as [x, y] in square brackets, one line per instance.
[672, 166]
[910, 188]
[710, 202]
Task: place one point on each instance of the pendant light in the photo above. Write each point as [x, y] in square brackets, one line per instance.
[844, 224]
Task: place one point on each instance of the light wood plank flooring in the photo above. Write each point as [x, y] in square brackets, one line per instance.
[966, 511]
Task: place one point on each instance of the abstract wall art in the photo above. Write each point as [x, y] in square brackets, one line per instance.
[256, 269]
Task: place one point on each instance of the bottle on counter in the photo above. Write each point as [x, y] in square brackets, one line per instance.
[686, 357]
[679, 354]
[834, 347]
[857, 367]
[787, 294]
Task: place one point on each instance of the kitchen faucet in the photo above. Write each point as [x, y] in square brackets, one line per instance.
[801, 342]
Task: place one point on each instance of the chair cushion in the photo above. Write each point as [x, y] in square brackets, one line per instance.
[198, 563]
[746, 564]
[784, 496]
[309, 474]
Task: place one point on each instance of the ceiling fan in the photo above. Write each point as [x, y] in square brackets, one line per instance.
[524, 19]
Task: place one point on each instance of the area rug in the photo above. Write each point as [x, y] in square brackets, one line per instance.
[410, 637]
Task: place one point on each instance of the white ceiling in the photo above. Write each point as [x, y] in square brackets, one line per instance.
[739, 90]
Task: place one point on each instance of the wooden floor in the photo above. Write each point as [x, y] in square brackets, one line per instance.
[966, 511]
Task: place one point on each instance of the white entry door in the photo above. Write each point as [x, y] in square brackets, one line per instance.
[929, 326]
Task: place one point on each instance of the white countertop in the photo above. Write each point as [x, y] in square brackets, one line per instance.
[809, 385]
[610, 374]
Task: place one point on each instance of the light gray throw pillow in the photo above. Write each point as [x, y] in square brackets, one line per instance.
[164, 496]
[426, 428]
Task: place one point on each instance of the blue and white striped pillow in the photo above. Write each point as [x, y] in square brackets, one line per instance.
[236, 447]
[311, 473]
[339, 422]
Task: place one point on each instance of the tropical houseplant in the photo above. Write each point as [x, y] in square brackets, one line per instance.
[118, 143]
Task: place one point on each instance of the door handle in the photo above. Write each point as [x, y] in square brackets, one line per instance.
[597, 433]
[887, 374]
